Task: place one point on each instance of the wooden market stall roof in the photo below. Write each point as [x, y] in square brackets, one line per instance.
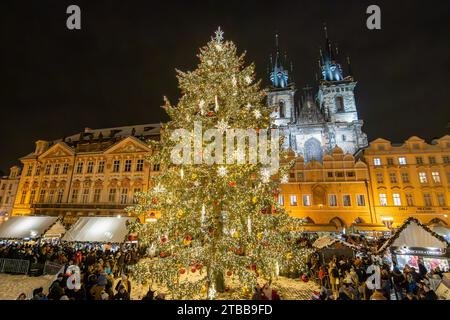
[414, 234]
[31, 227]
[329, 242]
[99, 229]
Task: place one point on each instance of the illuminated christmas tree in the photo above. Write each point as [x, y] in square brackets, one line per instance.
[219, 215]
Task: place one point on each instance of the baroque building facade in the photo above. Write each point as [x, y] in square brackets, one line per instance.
[95, 172]
[319, 122]
[8, 189]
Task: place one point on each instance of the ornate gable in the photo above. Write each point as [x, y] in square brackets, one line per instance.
[60, 149]
[128, 145]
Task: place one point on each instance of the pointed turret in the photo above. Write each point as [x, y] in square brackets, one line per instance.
[330, 68]
[279, 74]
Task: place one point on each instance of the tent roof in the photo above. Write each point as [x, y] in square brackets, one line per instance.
[326, 242]
[99, 229]
[414, 234]
[22, 227]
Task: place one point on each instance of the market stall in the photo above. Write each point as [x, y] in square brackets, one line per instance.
[99, 230]
[414, 241]
[28, 228]
[328, 247]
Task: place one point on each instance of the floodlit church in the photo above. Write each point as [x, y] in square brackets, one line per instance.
[318, 122]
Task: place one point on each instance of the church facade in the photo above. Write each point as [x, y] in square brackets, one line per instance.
[319, 121]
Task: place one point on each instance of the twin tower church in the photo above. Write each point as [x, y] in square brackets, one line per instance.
[320, 120]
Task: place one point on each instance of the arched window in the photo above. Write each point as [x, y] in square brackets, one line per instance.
[339, 104]
[282, 109]
[313, 150]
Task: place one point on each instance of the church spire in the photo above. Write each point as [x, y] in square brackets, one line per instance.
[331, 70]
[279, 74]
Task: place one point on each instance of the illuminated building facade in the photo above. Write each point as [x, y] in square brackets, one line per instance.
[95, 172]
[8, 190]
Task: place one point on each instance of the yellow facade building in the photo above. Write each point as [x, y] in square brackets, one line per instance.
[410, 180]
[331, 195]
[95, 172]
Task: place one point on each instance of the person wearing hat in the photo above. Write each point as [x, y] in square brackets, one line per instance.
[125, 282]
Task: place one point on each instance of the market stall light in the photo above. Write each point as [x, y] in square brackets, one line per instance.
[119, 216]
[150, 220]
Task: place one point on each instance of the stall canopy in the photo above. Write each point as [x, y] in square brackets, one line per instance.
[99, 229]
[414, 234]
[330, 242]
[31, 227]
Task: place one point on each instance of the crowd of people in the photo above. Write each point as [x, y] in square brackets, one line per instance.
[344, 278]
[103, 272]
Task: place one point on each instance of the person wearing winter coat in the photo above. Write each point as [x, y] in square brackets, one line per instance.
[122, 294]
[125, 282]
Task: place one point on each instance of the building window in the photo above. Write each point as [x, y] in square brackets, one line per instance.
[59, 197]
[376, 161]
[402, 161]
[56, 169]
[32, 195]
[90, 167]
[441, 199]
[48, 167]
[300, 176]
[419, 160]
[127, 165]
[339, 101]
[339, 174]
[293, 199]
[423, 177]
[390, 161]
[393, 177]
[427, 200]
[74, 196]
[80, 167]
[140, 165]
[332, 200]
[10, 187]
[41, 196]
[344, 138]
[448, 177]
[97, 193]
[29, 170]
[432, 160]
[85, 196]
[409, 200]
[38, 170]
[397, 200]
[292, 175]
[306, 200]
[156, 167]
[380, 178]
[360, 200]
[350, 174]
[51, 193]
[436, 177]
[281, 200]
[282, 109]
[112, 195]
[101, 167]
[330, 174]
[124, 196]
[65, 168]
[23, 197]
[405, 177]
[116, 166]
[446, 159]
[383, 199]
[346, 200]
[3, 186]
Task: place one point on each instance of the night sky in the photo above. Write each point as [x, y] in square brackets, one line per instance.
[114, 72]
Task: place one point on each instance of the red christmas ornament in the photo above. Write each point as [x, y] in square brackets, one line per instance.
[188, 238]
[253, 266]
[229, 273]
[232, 184]
[182, 271]
[198, 266]
[193, 270]
[210, 113]
[227, 288]
[155, 200]
[162, 254]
